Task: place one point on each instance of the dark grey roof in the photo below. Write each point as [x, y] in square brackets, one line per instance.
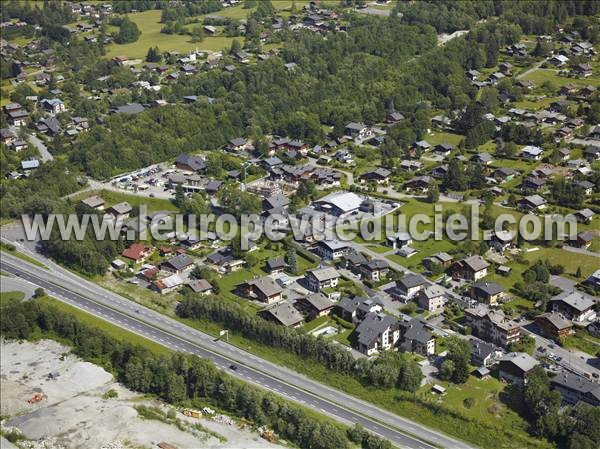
[576, 383]
[319, 301]
[481, 349]
[412, 280]
[415, 331]
[372, 326]
[131, 108]
[277, 262]
[488, 288]
[349, 305]
[180, 262]
[195, 162]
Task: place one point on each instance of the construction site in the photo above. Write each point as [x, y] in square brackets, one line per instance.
[52, 399]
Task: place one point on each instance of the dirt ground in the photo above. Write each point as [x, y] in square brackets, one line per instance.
[74, 414]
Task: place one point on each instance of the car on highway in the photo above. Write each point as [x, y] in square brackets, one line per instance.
[233, 367]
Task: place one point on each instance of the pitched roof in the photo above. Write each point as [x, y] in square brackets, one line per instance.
[373, 326]
[324, 274]
[180, 262]
[488, 288]
[412, 280]
[319, 301]
[520, 359]
[284, 313]
[579, 301]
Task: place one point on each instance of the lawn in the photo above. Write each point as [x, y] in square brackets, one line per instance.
[7, 298]
[111, 198]
[10, 249]
[437, 137]
[535, 104]
[583, 341]
[540, 76]
[149, 24]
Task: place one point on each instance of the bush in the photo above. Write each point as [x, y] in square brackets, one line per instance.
[469, 402]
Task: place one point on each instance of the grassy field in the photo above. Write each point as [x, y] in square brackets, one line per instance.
[437, 137]
[112, 330]
[13, 251]
[7, 298]
[583, 341]
[540, 76]
[149, 25]
[111, 198]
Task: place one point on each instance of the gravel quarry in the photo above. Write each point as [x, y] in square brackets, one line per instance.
[56, 400]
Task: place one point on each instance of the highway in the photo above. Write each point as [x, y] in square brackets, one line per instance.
[122, 312]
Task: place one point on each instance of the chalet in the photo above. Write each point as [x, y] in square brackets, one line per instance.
[377, 332]
[53, 105]
[276, 265]
[587, 91]
[587, 187]
[189, 163]
[409, 165]
[515, 367]
[209, 29]
[440, 171]
[506, 68]
[7, 137]
[379, 175]
[488, 293]
[422, 145]
[138, 252]
[484, 354]
[432, 299]
[120, 210]
[315, 305]
[354, 310]
[394, 117]
[554, 325]
[574, 306]
[200, 286]
[592, 153]
[532, 153]
[532, 203]
[213, 186]
[558, 60]
[19, 145]
[358, 130]
[575, 389]
[375, 270]
[437, 260]
[419, 184]
[283, 314]
[17, 118]
[443, 149]
[242, 57]
[263, 289]
[415, 338]
[441, 122]
[492, 325]
[482, 158]
[237, 144]
[473, 75]
[399, 240]
[408, 287]
[533, 184]
[168, 284]
[472, 268]
[332, 249]
[584, 215]
[178, 264]
[321, 278]
[352, 261]
[502, 241]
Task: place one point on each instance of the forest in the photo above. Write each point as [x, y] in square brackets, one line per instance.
[183, 380]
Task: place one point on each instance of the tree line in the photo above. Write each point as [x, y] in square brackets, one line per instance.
[183, 379]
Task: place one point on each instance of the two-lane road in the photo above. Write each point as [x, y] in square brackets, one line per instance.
[106, 305]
